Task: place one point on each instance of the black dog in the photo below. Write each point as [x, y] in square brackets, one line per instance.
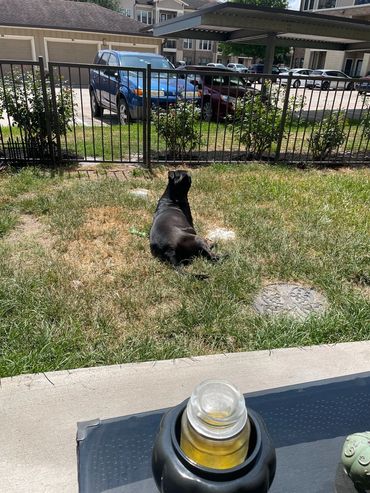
[172, 236]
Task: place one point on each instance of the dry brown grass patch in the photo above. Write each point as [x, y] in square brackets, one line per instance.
[104, 245]
[30, 228]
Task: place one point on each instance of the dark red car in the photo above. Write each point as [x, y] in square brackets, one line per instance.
[218, 89]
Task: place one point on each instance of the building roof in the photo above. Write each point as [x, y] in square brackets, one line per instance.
[67, 15]
[199, 4]
[247, 24]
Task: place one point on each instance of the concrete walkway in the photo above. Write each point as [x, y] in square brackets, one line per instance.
[39, 412]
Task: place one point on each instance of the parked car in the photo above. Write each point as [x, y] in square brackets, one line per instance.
[118, 87]
[343, 82]
[296, 74]
[259, 68]
[216, 65]
[237, 67]
[218, 92]
[364, 86]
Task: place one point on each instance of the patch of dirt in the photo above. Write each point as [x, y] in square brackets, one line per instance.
[104, 245]
[30, 228]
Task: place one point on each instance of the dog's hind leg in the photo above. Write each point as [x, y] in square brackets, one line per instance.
[204, 249]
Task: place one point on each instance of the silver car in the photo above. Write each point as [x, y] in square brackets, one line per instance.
[237, 67]
[296, 74]
[344, 81]
[220, 66]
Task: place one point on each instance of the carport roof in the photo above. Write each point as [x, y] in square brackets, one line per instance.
[247, 24]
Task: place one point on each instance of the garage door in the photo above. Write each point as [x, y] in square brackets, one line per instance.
[15, 49]
[72, 53]
[149, 49]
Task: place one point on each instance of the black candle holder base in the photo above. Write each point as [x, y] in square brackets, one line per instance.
[174, 472]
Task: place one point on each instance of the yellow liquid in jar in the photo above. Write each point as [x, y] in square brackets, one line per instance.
[213, 453]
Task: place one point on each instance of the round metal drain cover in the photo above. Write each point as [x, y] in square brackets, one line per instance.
[290, 299]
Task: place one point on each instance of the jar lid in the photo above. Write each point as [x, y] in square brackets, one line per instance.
[216, 410]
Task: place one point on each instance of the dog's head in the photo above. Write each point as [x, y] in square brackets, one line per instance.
[179, 182]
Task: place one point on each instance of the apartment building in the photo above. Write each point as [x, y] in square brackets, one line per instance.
[154, 11]
[353, 63]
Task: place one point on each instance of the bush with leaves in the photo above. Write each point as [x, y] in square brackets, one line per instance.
[177, 125]
[365, 120]
[256, 122]
[22, 100]
[326, 136]
[258, 117]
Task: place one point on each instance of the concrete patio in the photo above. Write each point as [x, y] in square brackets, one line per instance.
[39, 412]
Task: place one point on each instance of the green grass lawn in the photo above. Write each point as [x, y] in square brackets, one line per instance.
[77, 288]
[125, 143]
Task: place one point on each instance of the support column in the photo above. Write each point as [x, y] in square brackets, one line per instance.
[269, 53]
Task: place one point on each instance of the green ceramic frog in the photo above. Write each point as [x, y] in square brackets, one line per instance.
[356, 459]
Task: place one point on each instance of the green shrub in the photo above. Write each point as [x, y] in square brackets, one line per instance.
[365, 122]
[326, 136]
[177, 125]
[22, 99]
[257, 124]
[258, 118]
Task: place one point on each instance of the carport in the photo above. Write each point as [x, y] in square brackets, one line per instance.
[246, 24]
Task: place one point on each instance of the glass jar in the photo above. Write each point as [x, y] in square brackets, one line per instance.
[215, 428]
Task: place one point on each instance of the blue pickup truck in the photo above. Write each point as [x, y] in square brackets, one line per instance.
[118, 85]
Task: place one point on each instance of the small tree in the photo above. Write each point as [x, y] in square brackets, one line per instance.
[22, 99]
[326, 136]
[177, 126]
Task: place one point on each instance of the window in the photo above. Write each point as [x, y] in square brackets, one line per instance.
[144, 16]
[188, 44]
[188, 60]
[141, 61]
[113, 60]
[204, 61]
[126, 12]
[361, 2]
[104, 59]
[308, 4]
[170, 43]
[165, 16]
[326, 4]
[205, 44]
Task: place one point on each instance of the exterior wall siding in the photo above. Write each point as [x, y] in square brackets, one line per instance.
[39, 35]
[334, 60]
[337, 60]
[16, 49]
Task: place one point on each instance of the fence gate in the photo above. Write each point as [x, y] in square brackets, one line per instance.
[94, 124]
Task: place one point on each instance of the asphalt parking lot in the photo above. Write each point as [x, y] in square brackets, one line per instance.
[315, 102]
[351, 102]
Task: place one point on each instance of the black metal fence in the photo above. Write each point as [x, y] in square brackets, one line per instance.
[97, 113]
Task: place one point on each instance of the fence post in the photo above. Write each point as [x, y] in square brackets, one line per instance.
[283, 118]
[145, 118]
[55, 111]
[47, 108]
[149, 116]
